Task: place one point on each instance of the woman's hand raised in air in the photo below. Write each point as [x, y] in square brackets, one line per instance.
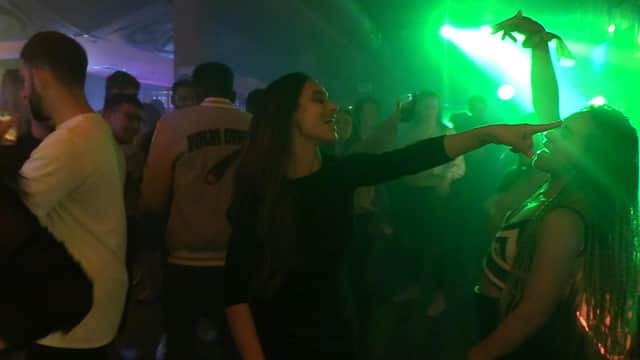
[518, 24]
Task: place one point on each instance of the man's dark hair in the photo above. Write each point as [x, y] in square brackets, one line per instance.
[182, 83]
[253, 100]
[59, 53]
[121, 80]
[113, 101]
[213, 79]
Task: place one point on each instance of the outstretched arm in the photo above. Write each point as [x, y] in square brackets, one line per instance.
[370, 169]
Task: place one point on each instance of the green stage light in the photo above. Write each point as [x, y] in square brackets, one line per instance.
[446, 31]
[508, 63]
[612, 28]
[599, 54]
[567, 62]
[598, 101]
[506, 92]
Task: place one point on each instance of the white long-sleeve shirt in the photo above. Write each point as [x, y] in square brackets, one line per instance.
[74, 183]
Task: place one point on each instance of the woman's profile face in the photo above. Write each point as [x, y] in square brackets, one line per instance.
[563, 147]
[314, 120]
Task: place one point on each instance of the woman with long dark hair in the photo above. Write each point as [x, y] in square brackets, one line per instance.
[561, 278]
[291, 219]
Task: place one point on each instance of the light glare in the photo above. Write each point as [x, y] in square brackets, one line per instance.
[567, 62]
[598, 101]
[506, 92]
[486, 29]
[446, 31]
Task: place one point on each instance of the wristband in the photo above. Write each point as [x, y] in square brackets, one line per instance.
[535, 40]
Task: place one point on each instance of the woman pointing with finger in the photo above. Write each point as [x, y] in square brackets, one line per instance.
[291, 220]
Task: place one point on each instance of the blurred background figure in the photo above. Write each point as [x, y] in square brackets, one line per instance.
[344, 131]
[121, 82]
[125, 114]
[422, 215]
[366, 115]
[13, 100]
[476, 115]
[183, 94]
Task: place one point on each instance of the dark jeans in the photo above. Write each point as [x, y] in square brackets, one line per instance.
[40, 352]
[190, 293]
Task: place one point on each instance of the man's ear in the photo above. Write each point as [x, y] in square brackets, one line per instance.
[42, 78]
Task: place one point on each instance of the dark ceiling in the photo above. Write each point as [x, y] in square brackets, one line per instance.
[352, 45]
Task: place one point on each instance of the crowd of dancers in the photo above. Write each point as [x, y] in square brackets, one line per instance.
[302, 230]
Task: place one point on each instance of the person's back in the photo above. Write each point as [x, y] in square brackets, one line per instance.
[89, 219]
[204, 137]
[188, 176]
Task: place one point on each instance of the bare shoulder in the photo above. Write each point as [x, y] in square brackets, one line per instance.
[563, 217]
[562, 228]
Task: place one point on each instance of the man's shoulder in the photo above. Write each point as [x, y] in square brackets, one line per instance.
[58, 139]
[83, 126]
[86, 136]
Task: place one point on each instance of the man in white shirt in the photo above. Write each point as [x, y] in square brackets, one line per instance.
[73, 183]
[189, 175]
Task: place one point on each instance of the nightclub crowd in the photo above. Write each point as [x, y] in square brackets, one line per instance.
[299, 229]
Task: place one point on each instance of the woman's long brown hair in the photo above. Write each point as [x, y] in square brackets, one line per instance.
[261, 175]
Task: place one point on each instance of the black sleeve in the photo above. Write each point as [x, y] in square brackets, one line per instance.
[242, 254]
[370, 169]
